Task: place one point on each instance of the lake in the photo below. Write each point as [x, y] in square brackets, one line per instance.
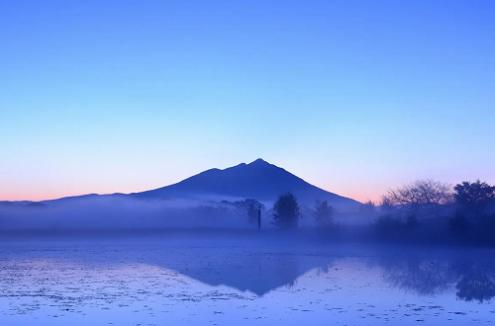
[241, 280]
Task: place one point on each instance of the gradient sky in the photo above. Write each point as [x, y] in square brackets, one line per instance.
[353, 96]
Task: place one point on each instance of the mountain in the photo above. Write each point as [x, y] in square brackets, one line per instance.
[203, 200]
[258, 180]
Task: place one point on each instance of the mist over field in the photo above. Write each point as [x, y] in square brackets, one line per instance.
[212, 199]
[261, 197]
[114, 213]
[120, 213]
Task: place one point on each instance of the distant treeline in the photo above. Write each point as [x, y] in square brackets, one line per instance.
[429, 209]
[423, 211]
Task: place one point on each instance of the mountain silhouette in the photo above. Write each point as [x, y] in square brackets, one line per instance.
[209, 199]
[258, 180]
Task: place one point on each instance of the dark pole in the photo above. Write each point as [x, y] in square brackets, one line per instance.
[259, 219]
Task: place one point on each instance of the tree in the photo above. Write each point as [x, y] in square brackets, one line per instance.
[475, 211]
[475, 196]
[386, 205]
[368, 206]
[421, 198]
[420, 193]
[368, 209]
[323, 213]
[286, 211]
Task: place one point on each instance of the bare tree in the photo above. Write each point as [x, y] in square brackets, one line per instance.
[423, 198]
[420, 193]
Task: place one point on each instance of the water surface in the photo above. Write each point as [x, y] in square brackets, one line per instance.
[247, 281]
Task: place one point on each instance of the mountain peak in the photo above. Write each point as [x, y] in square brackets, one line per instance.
[259, 161]
[258, 180]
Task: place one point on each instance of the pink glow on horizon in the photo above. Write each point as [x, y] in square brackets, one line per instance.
[363, 195]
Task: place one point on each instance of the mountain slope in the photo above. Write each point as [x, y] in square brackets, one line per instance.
[259, 180]
[191, 203]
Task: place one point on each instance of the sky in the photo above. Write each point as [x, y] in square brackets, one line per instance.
[356, 97]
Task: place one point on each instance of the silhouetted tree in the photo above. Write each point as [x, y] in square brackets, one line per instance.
[475, 211]
[368, 206]
[422, 198]
[401, 209]
[420, 193]
[368, 209]
[286, 211]
[323, 214]
[386, 203]
[474, 197]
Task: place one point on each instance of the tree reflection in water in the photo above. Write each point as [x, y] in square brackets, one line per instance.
[474, 280]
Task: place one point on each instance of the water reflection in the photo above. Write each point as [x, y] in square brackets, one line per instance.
[473, 277]
[256, 270]
[472, 274]
[476, 282]
[423, 276]
[244, 270]
[469, 275]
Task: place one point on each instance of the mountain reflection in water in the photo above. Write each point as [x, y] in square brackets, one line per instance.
[77, 276]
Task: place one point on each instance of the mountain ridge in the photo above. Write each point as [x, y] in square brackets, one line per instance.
[258, 180]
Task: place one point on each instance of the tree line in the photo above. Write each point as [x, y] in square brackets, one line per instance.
[425, 209]
[465, 211]
[286, 212]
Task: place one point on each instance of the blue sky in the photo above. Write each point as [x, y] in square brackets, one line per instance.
[353, 96]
